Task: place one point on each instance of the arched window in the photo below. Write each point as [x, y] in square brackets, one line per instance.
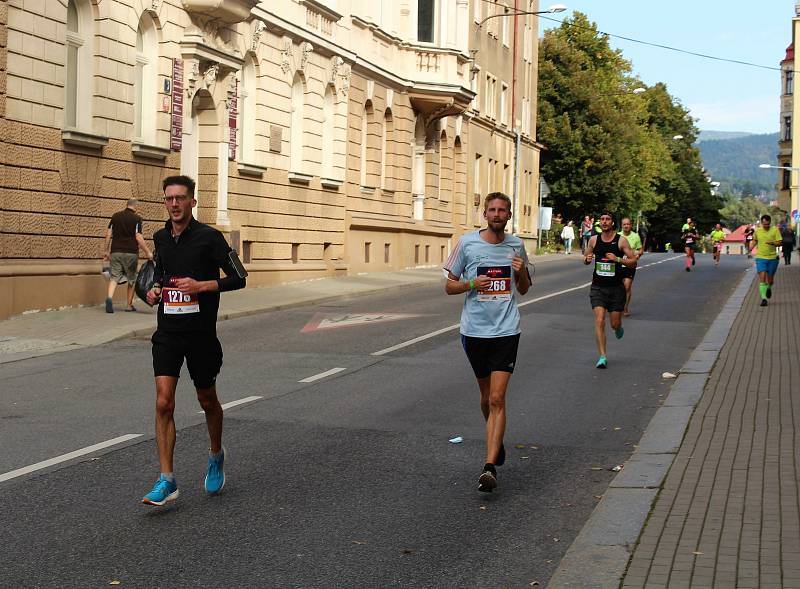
[328, 130]
[366, 118]
[445, 169]
[78, 79]
[247, 113]
[388, 149]
[145, 82]
[298, 119]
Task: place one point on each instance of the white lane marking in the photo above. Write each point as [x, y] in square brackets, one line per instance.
[417, 339]
[238, 402]
[65, 457]
[322, 375]
[421, 338]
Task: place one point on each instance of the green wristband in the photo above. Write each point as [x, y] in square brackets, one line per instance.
[471, 283]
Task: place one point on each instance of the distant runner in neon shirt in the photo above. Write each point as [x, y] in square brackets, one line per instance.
[766, 240]
[717, 239]
[628, 274]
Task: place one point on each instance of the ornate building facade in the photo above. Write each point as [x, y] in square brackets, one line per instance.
[325, 137]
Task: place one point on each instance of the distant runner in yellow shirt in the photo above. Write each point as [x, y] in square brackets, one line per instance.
[766, 240]
[628, 274]
[717, 239]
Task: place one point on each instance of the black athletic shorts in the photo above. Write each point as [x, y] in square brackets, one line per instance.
[202, 351]
[626, 272]
[491, 354]
[611, 298]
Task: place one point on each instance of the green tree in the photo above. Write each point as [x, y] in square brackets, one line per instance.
[608, 148]
[739, 211]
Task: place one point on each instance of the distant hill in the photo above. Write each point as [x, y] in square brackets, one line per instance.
[715, 135]
[733, 162]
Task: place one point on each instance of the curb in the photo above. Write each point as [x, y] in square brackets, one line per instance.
[599, 556]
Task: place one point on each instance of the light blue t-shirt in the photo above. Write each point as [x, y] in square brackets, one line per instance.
[494, 312]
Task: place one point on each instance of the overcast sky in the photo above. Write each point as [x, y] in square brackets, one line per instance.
[723, 96]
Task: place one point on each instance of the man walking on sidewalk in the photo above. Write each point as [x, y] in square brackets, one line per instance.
[121, 251]
[487, 265]
[607, 294]
[766, 240]
[186, 288]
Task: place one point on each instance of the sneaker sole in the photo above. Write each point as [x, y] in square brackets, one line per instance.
[487, 482]
[168, 499]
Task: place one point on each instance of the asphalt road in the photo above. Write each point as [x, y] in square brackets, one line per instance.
[349, 480]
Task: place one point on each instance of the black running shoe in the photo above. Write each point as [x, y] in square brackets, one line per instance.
[688, 269]
[769, 292]
[694, 261]
[488, 479]
[501, 456]
[763, 302]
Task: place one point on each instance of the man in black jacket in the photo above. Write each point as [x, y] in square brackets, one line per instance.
[189, 256]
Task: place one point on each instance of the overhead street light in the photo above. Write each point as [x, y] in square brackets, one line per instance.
[550, 10]
[768, 167]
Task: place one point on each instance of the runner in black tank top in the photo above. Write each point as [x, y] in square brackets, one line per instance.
[610, 252]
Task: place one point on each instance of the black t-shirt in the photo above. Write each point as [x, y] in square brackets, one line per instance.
[124, 226]
[199, 252]
[606, 272]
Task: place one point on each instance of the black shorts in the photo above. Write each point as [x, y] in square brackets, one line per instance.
[626, 272]
[202, 351]
[491, 354]
[611, 298]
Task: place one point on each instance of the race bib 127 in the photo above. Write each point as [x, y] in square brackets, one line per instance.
[177, 302]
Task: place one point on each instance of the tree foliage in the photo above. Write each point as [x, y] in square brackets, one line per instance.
[608, 148]
[748, 210]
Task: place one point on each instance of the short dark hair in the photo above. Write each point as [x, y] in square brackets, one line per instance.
[180, 181]
[610, 214]
[495, 195]
[766, 218]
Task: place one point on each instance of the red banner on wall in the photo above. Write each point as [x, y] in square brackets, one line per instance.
[176, 127]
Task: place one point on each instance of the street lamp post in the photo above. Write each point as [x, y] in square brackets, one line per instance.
[793, 210]
[508, 12]
[552, 9]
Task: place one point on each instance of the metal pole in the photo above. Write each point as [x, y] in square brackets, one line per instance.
[515, 216]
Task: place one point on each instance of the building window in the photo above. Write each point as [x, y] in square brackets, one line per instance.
[426, 20]
[78, 81]
[491, 96]
[387, 152]
[145, 82]
[787, 179]
[474, 84]
[370, 155]
[787, 128]
[298, 120]
[789, 82]
[386, 252]
[366, 251]
[328, 128]
[247, 113]
[504, 12]
[477, 5]
[504, 104]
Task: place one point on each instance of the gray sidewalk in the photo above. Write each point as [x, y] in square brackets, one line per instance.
[711, 496]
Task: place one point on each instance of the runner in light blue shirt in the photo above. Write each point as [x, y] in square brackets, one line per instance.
[487, 265]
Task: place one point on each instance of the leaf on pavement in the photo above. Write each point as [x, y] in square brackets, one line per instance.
[533, 583]
[407, 551]
[115, 582]
[359, 542]
[596, 468]
[520, 446]
[483, 508]
[697, 552]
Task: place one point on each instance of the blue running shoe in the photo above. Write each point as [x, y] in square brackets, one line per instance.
[619, 332]
[602, 362]
[215, 474]
[164, 491]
